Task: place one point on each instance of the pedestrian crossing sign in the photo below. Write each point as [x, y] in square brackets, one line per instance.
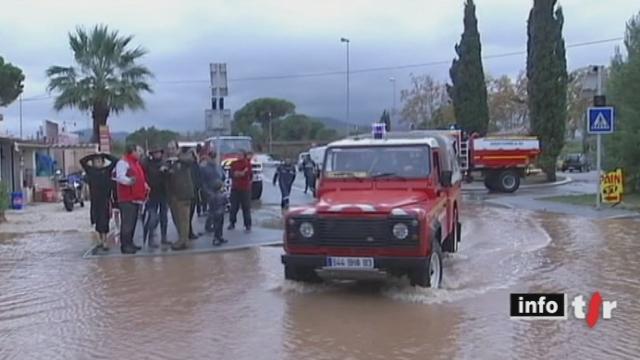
[600, 120]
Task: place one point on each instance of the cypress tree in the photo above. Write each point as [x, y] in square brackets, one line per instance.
[468, 91]
[548, 79]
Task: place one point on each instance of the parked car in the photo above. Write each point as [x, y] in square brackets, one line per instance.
[267, 160]
[578, 162]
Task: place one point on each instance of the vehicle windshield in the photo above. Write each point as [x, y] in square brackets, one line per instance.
[378, 161]
[230, 146]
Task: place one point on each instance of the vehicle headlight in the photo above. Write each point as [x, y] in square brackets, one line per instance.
[306, 230]
[400, 231]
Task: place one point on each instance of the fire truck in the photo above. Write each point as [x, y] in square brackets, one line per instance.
[228, 149]
[502, 160]
[388, 205]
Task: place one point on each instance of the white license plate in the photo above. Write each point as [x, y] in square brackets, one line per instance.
[350, 262]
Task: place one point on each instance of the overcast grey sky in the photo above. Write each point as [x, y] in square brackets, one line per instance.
[264, 37]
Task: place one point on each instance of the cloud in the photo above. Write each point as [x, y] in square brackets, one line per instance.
[270, 37]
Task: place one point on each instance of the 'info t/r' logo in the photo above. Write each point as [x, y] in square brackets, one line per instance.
[554, 306]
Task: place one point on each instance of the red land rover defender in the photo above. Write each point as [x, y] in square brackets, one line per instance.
[385, 206]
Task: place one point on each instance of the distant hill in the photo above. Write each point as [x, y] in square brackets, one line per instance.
[85, 135]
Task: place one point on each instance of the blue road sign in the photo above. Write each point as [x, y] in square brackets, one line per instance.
[600, 120]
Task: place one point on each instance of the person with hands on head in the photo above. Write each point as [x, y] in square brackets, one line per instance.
[99, 168]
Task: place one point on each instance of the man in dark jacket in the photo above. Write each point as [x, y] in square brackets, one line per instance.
[157, 207]
[211, 173]
[195, 178]
[179, 191]
[309, 169]
[285, 176]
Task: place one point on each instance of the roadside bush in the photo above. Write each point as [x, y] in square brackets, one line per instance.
[4, 200]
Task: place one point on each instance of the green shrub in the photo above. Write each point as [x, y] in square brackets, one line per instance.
[4, 197]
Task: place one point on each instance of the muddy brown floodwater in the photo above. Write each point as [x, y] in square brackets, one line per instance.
[236, 305]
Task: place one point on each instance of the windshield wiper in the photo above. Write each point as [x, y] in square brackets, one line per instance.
[388, 174]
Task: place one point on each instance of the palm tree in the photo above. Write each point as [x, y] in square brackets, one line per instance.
[107, 78]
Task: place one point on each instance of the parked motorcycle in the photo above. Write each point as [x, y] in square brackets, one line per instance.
[71, 188]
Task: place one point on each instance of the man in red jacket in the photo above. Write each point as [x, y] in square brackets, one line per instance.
[132, 191]
[241, 177]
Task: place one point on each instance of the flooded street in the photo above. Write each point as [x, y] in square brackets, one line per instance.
[236, 305]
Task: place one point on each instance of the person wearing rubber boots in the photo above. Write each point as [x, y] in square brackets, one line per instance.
[309, 168]
[285, 176]
[180, 191]
[211, 173]
[156, 211]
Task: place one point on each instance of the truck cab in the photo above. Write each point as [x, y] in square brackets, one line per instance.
[385, 207]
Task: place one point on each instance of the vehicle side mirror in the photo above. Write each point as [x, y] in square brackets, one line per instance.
[445, 178]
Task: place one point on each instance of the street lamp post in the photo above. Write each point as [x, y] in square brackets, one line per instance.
[393, 107]
[347, 41]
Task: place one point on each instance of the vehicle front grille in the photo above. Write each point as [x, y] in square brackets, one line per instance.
[358, 233]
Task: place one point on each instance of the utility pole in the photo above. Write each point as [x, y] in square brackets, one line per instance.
[598, 139]
[270, 135]
[20, 116]
[393, 107]
[347, 41]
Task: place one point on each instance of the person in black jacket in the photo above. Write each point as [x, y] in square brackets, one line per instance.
[310, 169]
[195, 178]
[156, 210]
[210, 173]
[101, 187]
[285, 176]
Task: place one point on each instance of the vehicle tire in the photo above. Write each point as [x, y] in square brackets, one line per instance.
[450, 244]
[490, 182]
[81, 203]
[256, 190]
[431, 275]
[301, 274]
[67, 201]
[508, 181]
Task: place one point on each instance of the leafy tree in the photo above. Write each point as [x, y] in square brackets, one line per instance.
[577, 105]
[260, 111]
[106, 79]
[547, 87]
[11, 79]
[151, 137]
[426, 104]
[508, 105]
[468, 91]
[623, 146]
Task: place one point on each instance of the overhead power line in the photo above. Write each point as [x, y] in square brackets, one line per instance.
[355, 71]
[383, 68]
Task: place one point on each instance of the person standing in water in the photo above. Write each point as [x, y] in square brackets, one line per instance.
[100, 189]
[285, 176]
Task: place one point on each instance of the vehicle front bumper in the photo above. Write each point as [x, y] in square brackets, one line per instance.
[382, 265]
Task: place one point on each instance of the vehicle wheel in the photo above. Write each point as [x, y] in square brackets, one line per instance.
[450, 244]
[431, 276]
[508, 181]
[81, 203]
[68, 202]
[490, 182]
[256, 190]
[301, 274]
